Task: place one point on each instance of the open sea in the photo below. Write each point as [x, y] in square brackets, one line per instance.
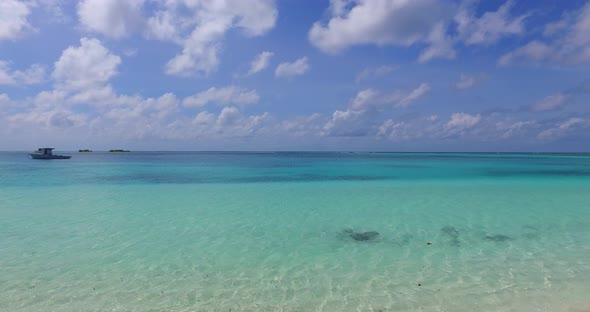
[217, 231]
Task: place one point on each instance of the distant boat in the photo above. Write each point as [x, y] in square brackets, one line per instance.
[84, 151]
[118, 151]
[46, 153]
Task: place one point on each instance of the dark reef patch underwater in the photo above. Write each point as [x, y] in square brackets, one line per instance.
[452, 235]
[360, 236]
[498, 238]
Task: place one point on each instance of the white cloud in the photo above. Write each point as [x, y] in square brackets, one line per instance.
[13, 19]
[162, 26]
[49, 99]
[209, 22]
[55, 118]
[339, 7]
[204, 118]
[87, 66]
[550, 103]
[347, 123]
[533, 51]
[373, 99]
[380, 22]
[405, 23]
[222, 96]
[440, 45]
[465, 82]
[198, 26]
[490, 27]
[260, 62]
[296, 68]
[112, 18]
[4, 101]
[302, 125]
[566, 42]
[33, 75]
[417, 93]
[5, 74]
[365, 108]
[365, 99]
[390, 128]
[476, 128]
[130, 52]
[512, 129]
[82, 76]
[369, 73]
[463, 121]
[55, 9]
[228, 116]
[200, 50]
[563, 128]
[410, 129]
[230, 122]
[103, 95]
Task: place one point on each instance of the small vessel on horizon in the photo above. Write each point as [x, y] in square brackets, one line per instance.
[46, 153]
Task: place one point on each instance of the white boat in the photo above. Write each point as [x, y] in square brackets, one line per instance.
[46, 153]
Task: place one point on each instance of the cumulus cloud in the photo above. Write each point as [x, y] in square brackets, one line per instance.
[222, 96]
[467, 81]
[229, 122]
[299, 126]
[5, 103]
[459, 123]
[365, 108]
[296, 68]
[509, 129]
[563, 128]
[551, 103]
[535, 51]
[463, 120]
[82, 77]
[410, 129]
[380, 22]
[86, 66]
[559, 100]
[440, 45]
[209, 22]
[348, 123]
[369, 73]
[365, 99]
[260, 62]
[477, 128]
[112, 18]
[33, 75]
[374, 99]
[197, 26]
[490, 27]
[403, 23]
[55, 9]
[566, 42]
[13, 19]
[417, 93]
[6, 77]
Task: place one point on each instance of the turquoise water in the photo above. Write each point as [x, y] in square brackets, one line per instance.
[272, 232]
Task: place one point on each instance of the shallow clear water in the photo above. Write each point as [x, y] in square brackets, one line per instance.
[271, 232]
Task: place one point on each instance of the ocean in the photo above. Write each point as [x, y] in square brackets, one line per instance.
[225, 231]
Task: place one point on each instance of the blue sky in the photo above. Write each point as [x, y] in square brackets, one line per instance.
[382, 75]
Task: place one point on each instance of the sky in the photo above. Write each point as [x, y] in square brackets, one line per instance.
[313, 75]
